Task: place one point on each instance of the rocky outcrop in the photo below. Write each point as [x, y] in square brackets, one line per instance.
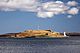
[33, 33]
[39, 33]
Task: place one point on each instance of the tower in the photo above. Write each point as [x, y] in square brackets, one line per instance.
[65, 34]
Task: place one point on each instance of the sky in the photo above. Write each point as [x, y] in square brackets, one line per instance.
[57, 15]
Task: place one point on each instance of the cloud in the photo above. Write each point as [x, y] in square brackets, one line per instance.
[69, 16]
[54, 7]
[45, 14]
[50, 9]
[73, 11]
[72, 3]
[27, 5]
[58, 7]
[43, 10]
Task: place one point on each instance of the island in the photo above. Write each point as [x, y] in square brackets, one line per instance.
[34, 34]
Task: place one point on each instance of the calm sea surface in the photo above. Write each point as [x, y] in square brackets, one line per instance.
[40, 45]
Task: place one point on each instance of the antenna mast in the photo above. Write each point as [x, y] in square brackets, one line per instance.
[38, 27]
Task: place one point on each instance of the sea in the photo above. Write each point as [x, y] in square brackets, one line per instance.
[40, 45]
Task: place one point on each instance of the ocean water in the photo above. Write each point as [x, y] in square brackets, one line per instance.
[40, 45]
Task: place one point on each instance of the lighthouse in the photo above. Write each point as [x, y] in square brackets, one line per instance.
[65, 34]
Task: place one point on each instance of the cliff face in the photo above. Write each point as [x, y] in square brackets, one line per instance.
[33, 33]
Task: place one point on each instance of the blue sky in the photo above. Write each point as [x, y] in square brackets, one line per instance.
[18, 21]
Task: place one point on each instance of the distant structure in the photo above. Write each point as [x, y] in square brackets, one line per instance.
[38, 27]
